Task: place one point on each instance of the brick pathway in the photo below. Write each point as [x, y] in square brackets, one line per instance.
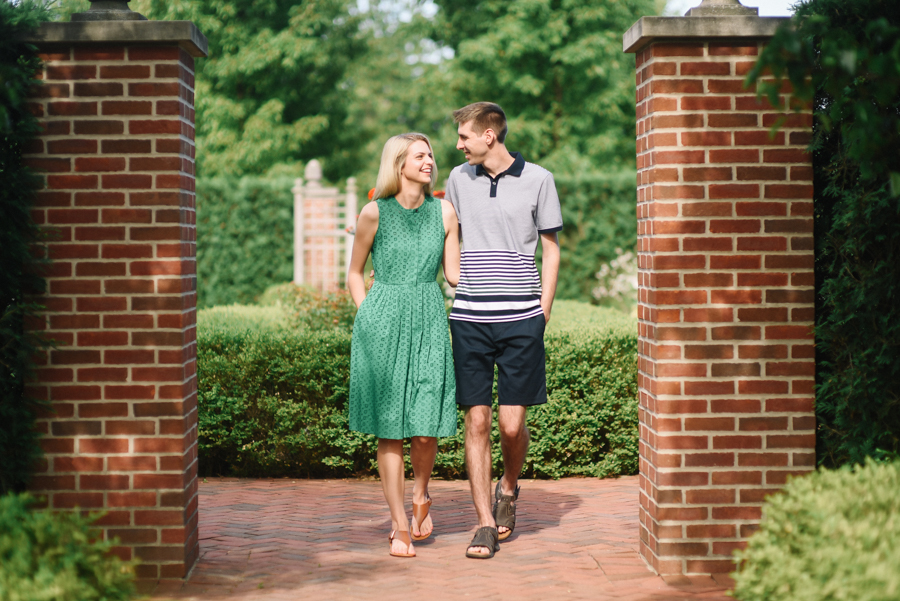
[314, 540]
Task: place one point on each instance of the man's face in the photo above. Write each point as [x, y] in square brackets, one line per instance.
[474, 145]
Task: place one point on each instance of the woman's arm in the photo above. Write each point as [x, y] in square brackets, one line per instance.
[451, 243]
[366, 227]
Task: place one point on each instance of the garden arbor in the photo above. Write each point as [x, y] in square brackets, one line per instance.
[726, 284]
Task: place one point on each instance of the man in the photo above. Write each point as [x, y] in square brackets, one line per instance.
[505, 206]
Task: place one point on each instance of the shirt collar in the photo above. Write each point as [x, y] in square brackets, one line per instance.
[515, 169]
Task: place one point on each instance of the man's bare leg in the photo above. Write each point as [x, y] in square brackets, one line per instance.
[514, 438]
[478, 465]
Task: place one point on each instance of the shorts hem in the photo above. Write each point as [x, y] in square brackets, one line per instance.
[491, 404]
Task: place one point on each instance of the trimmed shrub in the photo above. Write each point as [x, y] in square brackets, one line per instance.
[245, 233]
[56, 556]
[273, 399]
[832, 535]
[19, 274]
[598, 213]
[310, 309]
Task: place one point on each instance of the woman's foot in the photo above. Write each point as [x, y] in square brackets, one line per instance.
[421, 524]
[401, 545]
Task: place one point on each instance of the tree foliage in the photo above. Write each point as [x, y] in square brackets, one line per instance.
[401, 83]
[268, 93]
[19, 276]
[558, 70]
[844, 56]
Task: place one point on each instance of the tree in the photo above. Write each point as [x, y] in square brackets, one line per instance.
[268, 93]
[844, 57]
[400, 84]
[558, 70]
[19, 272]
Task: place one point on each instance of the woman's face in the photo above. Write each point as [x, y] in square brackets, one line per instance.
[419, 164]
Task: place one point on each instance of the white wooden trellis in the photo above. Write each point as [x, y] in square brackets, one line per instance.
[324, 220]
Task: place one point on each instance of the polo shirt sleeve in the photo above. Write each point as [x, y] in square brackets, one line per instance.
[451, 193]
[548, 214]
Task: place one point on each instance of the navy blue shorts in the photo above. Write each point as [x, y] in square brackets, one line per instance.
[517, 347]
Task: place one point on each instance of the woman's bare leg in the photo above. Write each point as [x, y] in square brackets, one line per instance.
[390, 468]
[422, 453]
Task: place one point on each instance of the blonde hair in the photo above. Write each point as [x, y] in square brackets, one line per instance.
[393, 157]
[484, 116]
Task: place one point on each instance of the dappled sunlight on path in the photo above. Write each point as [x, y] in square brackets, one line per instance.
[327, 539]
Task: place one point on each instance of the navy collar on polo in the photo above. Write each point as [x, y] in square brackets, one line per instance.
[515, 170]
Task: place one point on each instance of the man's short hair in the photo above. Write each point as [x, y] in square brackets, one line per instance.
[484, 116]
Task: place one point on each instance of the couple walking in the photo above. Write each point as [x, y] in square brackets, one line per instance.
[405, 377]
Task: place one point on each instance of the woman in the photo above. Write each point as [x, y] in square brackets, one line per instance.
[401, 366]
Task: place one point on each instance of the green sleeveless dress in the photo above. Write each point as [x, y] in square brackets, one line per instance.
[401, 364]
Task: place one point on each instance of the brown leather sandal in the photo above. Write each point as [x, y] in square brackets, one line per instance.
[486, 537]
[420, 512]
[403, 535]
[505, 511]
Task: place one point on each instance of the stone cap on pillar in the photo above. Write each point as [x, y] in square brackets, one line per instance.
[109, 10]
[712, 19]
[112, 22]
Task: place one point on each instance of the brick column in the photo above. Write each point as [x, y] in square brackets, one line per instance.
[117, 153]
[725, 247]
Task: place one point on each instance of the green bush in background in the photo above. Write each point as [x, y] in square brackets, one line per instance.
[245, 233]
[598, 217]
[273, 398]
[19, 275]
[843, 56]
[832, 535]
[310, 309]
[56, 556]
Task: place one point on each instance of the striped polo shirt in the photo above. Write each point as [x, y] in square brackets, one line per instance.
[501, 219]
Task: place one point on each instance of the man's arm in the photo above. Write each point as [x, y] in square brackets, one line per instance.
[549, 271]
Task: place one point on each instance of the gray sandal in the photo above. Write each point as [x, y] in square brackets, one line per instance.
[484, 537]
[505, 511]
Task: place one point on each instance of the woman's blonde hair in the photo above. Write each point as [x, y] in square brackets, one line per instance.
[393, 157]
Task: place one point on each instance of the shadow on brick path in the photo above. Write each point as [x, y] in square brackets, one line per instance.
[312, 540]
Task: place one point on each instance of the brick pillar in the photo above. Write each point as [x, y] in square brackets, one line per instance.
[117, 153]
[725, 247]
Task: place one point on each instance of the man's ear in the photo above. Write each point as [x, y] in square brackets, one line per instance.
[489, 136]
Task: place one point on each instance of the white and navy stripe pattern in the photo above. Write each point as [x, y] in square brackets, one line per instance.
[495, 286]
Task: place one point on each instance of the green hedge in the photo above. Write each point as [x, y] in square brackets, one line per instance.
[829, 536]
[844, 57]
[273, 399]
[598, 213]
[245, 233]
[18, 274]
[56, 556]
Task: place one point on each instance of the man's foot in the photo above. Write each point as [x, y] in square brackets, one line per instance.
[505, 510]
[484, 544]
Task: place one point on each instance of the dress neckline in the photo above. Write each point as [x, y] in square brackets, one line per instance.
[414, 209]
